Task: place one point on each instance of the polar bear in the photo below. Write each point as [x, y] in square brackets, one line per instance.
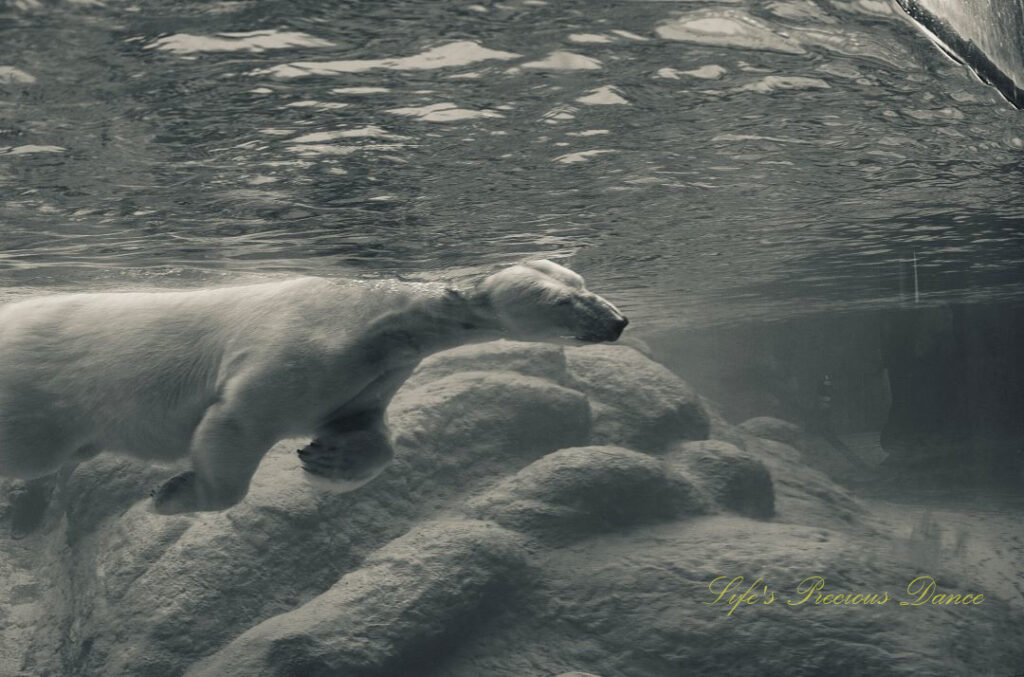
[220, 375]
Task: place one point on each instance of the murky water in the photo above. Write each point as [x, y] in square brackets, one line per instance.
[697, 161]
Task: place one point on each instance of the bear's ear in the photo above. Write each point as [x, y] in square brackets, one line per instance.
[543, 265]
[558, 272]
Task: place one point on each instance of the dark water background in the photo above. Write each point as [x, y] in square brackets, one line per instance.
[699, 162]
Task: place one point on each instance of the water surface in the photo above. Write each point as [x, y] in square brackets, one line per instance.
[697, 161]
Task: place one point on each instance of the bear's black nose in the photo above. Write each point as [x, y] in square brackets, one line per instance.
[618, 326]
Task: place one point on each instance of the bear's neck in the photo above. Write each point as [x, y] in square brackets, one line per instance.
[430, 323]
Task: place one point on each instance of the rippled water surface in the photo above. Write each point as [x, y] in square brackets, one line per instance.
[696, 161]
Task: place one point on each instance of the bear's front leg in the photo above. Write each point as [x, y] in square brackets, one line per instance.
[226, 450]
[345, 457]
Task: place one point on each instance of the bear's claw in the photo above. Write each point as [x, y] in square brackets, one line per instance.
[328, 461]
[170, 487]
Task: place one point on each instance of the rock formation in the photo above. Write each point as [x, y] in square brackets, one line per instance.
[550, 511]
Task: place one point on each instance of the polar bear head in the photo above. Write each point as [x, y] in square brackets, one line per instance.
[541, 299]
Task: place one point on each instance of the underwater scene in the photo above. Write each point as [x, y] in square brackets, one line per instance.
[633, 338]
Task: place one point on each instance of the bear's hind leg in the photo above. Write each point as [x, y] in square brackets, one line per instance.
[38, 448]
[40, 460]
[28, 502]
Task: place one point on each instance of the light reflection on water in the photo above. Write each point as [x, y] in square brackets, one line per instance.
[696, 161]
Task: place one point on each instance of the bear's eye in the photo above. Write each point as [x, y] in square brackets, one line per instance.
[564, 301]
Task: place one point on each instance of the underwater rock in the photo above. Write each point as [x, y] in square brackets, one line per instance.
[496, 413]
[105, 487]
[639, 603]
[736, 479]
[150, 594]
[293, 540]
[636, 403]
[720, 428]
[804, 495]
[770, 428]
[155, 592]
[636, 343]
[492, 474]
[574, 493]
[542, 360]
[396, 615]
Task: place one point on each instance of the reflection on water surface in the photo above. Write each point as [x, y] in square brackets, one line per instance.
[707, 161]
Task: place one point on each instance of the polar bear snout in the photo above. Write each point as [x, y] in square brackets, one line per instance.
[618, 326]
[598, 319]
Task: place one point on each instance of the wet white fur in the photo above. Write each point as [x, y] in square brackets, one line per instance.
[221, 374]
